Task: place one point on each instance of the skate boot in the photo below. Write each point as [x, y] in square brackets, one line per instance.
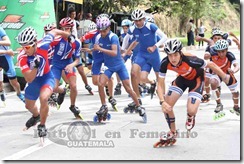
[153, 88]
[168, 139]
[236, 110]
[132, 107]
[89, 89]
[60, 99]
[142, 113]
[67, 89]
[42, 132]
[31, 122]
[117, 89]
[190, 123]
[205, 98]
[52, 101]
[75, 110]
[102, 114]
[113, 102]
[3, 98]
[21, 97]
[106, 90]
[219, 113]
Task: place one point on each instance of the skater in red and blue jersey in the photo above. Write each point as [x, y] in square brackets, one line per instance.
[108, 44]
[33, 61]
[190, 71]
[62, 60]
[145, 33]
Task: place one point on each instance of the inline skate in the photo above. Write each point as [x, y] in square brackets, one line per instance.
[102, 114]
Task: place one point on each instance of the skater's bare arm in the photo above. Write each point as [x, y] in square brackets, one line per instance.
[69, 67]
[30, 75]
[5, 41]
[10, 52]
[218, 71]
[161, 89]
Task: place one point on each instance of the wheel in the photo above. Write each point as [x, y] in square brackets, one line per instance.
[95, 118]
[108, 116]
[144, 117]
[131, 110]
[126, 110]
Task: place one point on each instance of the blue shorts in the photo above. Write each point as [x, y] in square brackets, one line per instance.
[151, 58]
[6, 62]
[96, 66]
[146, 67]
[57, 71]
[120, 70]
[32, 91]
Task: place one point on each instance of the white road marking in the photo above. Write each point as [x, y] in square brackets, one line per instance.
[27, 151]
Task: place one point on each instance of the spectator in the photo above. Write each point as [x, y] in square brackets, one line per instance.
[190, 28]
[201, 31]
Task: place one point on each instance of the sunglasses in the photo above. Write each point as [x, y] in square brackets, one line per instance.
[28, 46]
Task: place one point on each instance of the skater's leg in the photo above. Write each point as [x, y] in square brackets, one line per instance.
[128, 89]
[80, 69]
[73, 89]
[44, 95]
[110, 87]
[135, 78]
[102, 95]
[32, 107]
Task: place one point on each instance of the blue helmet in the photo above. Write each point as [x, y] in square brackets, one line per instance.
[221, 44]
[126, 22]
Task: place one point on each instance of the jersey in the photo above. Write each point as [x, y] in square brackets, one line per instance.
[190, 67]
[224, 63]
[3, 34]
[106, 43]
[146, 35]
[64, 51]
[27, 62]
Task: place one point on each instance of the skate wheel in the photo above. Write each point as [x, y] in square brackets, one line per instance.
[157, 144]
[108, 116]
[125, 110]
[131, 110]
[95, 119]
[115, 108]
[144, 117]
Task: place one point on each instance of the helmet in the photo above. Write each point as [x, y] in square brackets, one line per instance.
[92, 26]
[221, 44]
[137, 14]
[103, 23]
[215, 28]
[150, 19]
[217, 32]
[27, 36]
[126, 22]
[49, 27]
[101, 16]
[66, 22]
[172, 46]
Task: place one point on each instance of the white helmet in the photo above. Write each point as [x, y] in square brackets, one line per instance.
[27, 36]
[221, 44]
[137, 14]
[49, 27]
[172, 46]
[217, 32]
[101, 16]
[126, 22]
[92, 26]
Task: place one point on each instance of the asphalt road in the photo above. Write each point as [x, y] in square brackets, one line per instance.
[125, 136]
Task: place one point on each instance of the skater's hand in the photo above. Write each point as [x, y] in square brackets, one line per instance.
[166, 107]
[151, 49]
[69, 68]
[37, 62]
[71, 38]
[96, 47]
[230, 71]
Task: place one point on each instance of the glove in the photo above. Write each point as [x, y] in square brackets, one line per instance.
[37, 62]
[71, 38]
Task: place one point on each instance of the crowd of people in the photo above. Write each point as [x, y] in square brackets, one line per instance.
[58, 56]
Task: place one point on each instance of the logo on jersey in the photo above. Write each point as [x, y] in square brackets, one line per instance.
[3, 8]
[12, 22]
[147, 34]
